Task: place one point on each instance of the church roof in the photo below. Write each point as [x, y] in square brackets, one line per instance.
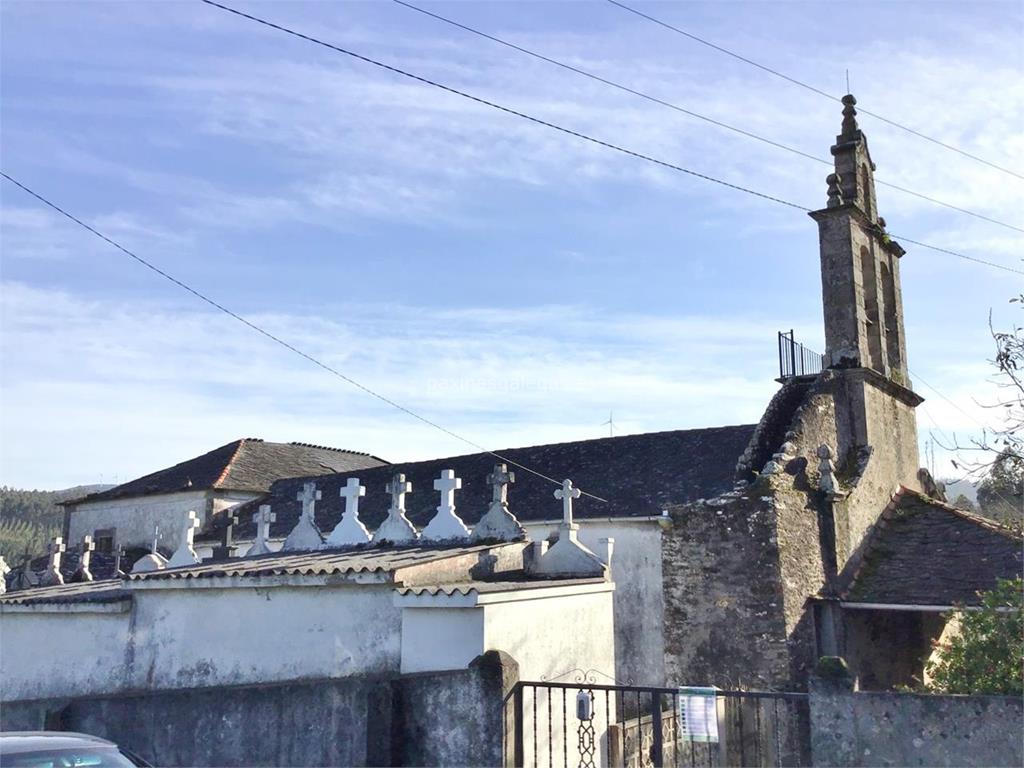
[249, 464]
[924, 552]
[639, 475]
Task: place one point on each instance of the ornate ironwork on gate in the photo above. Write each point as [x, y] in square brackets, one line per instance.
[584, 724]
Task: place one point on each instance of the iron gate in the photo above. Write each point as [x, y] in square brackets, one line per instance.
[585, 725]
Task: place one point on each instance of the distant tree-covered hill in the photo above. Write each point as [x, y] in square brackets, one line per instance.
[29, 519]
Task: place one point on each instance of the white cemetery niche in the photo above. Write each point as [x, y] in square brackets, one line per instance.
[305, 535]
[263, 518]
[185, 554]
[396, 528]
[446, 525]
[498, 522]
[350, 529]
[154, 561]
[567, 557]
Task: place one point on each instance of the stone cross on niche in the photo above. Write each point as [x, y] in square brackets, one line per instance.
[351, 493]
[56, 549]
[446, 524]
[498, 522]
[305, 536]
[52, 575]
[350, 530]
[396, 528]
[226, 548]
[499, 481]
[309, 496]
[398, 487]
[227, 533]
[567, 493]
[263, 518]
[448, 484]
[185, 554]
[85, 561]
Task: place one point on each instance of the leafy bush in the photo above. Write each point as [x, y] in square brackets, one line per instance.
[987, 655]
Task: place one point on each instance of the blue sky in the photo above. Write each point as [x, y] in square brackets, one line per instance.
[512, 283]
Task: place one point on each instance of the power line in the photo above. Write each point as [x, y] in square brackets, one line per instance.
[276, 339]
[808, 87]
[954, 447]
[567, 131]
[959, 255]
[688, 112]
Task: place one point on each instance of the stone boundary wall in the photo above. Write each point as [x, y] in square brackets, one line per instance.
[851, 728]
[441, 718]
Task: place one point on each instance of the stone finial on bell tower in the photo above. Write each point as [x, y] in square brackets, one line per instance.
[859, 264]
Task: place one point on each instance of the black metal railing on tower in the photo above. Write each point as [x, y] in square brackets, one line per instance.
[797, 360]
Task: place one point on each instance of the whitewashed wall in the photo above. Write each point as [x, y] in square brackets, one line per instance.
[186, 636]
[136, 518]
[56, 653]
[639, 607]
[551, 639]
[202, 637]
[639, 604]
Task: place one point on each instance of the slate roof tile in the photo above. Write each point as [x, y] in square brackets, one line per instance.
[924, 552]
[639, 475]
[249, 464]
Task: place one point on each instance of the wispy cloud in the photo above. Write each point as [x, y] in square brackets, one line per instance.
[105, 375]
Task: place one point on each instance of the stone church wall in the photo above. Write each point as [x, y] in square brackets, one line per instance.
[738, 570]
[723, 597]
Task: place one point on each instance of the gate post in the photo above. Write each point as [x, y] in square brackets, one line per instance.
[657, 723]
[517, 708]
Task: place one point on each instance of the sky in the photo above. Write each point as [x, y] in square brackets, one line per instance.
[511, 283]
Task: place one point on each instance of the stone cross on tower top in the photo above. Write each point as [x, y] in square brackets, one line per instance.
[309, 496]
[263, 518]
[567, 493]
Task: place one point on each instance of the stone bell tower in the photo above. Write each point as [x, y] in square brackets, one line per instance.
[860, 274]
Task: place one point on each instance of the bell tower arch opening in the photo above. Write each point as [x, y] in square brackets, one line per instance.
[872, 326]
[892, 326]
